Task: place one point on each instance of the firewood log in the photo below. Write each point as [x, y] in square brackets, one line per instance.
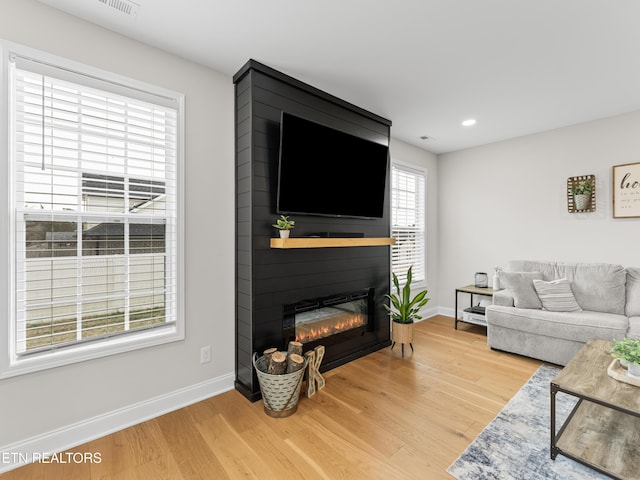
[277, 364]
[294, 362]
[295, 347]
[267, 354]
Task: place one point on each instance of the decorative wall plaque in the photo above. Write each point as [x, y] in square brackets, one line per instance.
[581, 194]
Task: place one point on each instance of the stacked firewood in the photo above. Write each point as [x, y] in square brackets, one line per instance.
[284, 362]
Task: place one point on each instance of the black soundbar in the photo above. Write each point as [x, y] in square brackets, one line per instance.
[340, 235]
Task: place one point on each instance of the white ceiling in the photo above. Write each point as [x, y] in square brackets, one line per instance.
[517, 66]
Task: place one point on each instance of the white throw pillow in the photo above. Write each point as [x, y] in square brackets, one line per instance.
[556, 295]
[520, 285]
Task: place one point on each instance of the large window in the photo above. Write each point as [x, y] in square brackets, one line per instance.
[408, 222]
[94, 182]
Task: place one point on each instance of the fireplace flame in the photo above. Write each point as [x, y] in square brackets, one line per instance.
[327, 327]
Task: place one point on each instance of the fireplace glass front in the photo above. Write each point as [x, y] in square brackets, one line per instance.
[314, 319]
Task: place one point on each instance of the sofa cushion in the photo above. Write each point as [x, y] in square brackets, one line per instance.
[556, 295]
[599, 287]
[547, 269]
[503, 297]
[576, 326]
[633, 292]
[634, 328]
[520, 285]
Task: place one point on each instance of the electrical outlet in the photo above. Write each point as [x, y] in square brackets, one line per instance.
[205, 354]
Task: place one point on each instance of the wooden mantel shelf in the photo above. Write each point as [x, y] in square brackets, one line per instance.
[315, 242]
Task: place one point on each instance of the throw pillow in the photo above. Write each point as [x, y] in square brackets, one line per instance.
[520, 285]
[556, 296]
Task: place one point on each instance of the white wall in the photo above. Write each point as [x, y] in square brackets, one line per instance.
[508, 201]
[33, 404]
[408, 154]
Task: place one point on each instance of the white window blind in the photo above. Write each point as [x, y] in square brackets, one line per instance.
[94, 190]
[408, 222]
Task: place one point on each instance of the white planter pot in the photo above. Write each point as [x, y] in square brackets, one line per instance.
[582, 201]
[284, 233]
[633, 370]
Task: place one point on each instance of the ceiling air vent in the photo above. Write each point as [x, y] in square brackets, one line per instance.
[123, 6]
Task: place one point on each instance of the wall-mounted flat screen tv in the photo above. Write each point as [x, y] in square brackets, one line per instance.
[324, 171]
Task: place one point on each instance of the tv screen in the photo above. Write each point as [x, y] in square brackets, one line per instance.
[324, 171]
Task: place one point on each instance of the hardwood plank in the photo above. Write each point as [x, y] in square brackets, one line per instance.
[281, 458]
[194, 457]
[232, 451]
[380, 416]
[326, 449]
[160, 468]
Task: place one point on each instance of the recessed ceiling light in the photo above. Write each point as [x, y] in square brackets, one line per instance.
[468, 122]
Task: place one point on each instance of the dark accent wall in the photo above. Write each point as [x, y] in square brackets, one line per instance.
[267, 279]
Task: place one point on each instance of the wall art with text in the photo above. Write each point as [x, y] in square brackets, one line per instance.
[626, 190]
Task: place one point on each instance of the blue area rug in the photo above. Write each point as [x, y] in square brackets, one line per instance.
[515, 445]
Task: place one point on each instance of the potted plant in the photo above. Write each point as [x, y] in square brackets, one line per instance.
[404, 310]
[284, 225]
[628, 351]
[582, 191]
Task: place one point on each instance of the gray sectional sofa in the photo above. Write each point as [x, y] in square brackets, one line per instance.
[524, 318]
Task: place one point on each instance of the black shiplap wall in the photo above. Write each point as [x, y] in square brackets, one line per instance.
[267, 279]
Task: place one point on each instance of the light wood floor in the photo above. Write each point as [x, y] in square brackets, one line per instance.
[379, 417]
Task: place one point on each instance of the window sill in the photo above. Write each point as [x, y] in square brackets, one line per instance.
[89, 351]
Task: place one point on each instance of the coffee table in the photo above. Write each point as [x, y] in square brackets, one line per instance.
[603, 430]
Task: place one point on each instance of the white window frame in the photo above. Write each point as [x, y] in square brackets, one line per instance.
[10, 363]
[419, 274]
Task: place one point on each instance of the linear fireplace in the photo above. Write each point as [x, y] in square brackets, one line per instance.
[327, 320]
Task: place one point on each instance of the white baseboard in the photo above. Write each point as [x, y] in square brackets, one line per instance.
[23, 452]
[433, 311]
[447, 311]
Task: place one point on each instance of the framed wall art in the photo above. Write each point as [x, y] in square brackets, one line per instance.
[626, 190]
